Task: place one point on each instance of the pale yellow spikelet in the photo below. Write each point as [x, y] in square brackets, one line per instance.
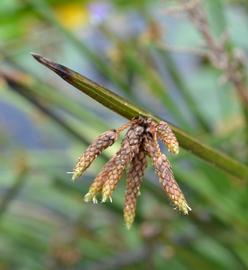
[169, 184]
[167, 136]
[165, 174]
[99, 181]
[101, 143]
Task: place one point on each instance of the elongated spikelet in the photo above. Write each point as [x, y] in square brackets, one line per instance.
[101, 143]
[166, 135]
[97, 185]
[170, 186]
[129, 147]
[165, 174]
[134, 179]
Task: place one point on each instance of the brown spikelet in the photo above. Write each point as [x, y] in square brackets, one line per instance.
[129, 147]
[97, 185]
[165, 174]
[101, 143]
[134, 178]
[166, 135]
[170, 186]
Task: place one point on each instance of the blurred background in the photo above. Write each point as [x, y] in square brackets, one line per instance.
[152, 54]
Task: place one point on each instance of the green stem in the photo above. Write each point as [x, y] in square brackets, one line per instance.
[129, 110]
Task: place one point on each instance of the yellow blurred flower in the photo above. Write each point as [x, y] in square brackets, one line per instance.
[72, 15]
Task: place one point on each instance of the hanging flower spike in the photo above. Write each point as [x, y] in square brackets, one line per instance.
[134, 179]
[167, 136]
[139, 141]
[165, 174]
[93, 151]
[129, 147]
[96, 148]
[97, 185]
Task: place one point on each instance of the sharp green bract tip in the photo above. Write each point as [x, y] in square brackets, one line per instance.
[61, 70]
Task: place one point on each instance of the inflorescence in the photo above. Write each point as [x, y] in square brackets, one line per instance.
[140, 140]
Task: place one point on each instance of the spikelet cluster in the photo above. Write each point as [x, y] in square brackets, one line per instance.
[140, 140]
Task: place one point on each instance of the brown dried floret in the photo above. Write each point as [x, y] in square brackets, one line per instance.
[134, 179]
[95, 149]
[167, 136]
[102, 142]
[97, 185]
[129, 147]
[165, 174]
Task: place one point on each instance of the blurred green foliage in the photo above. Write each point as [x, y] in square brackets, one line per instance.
[44, 223]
